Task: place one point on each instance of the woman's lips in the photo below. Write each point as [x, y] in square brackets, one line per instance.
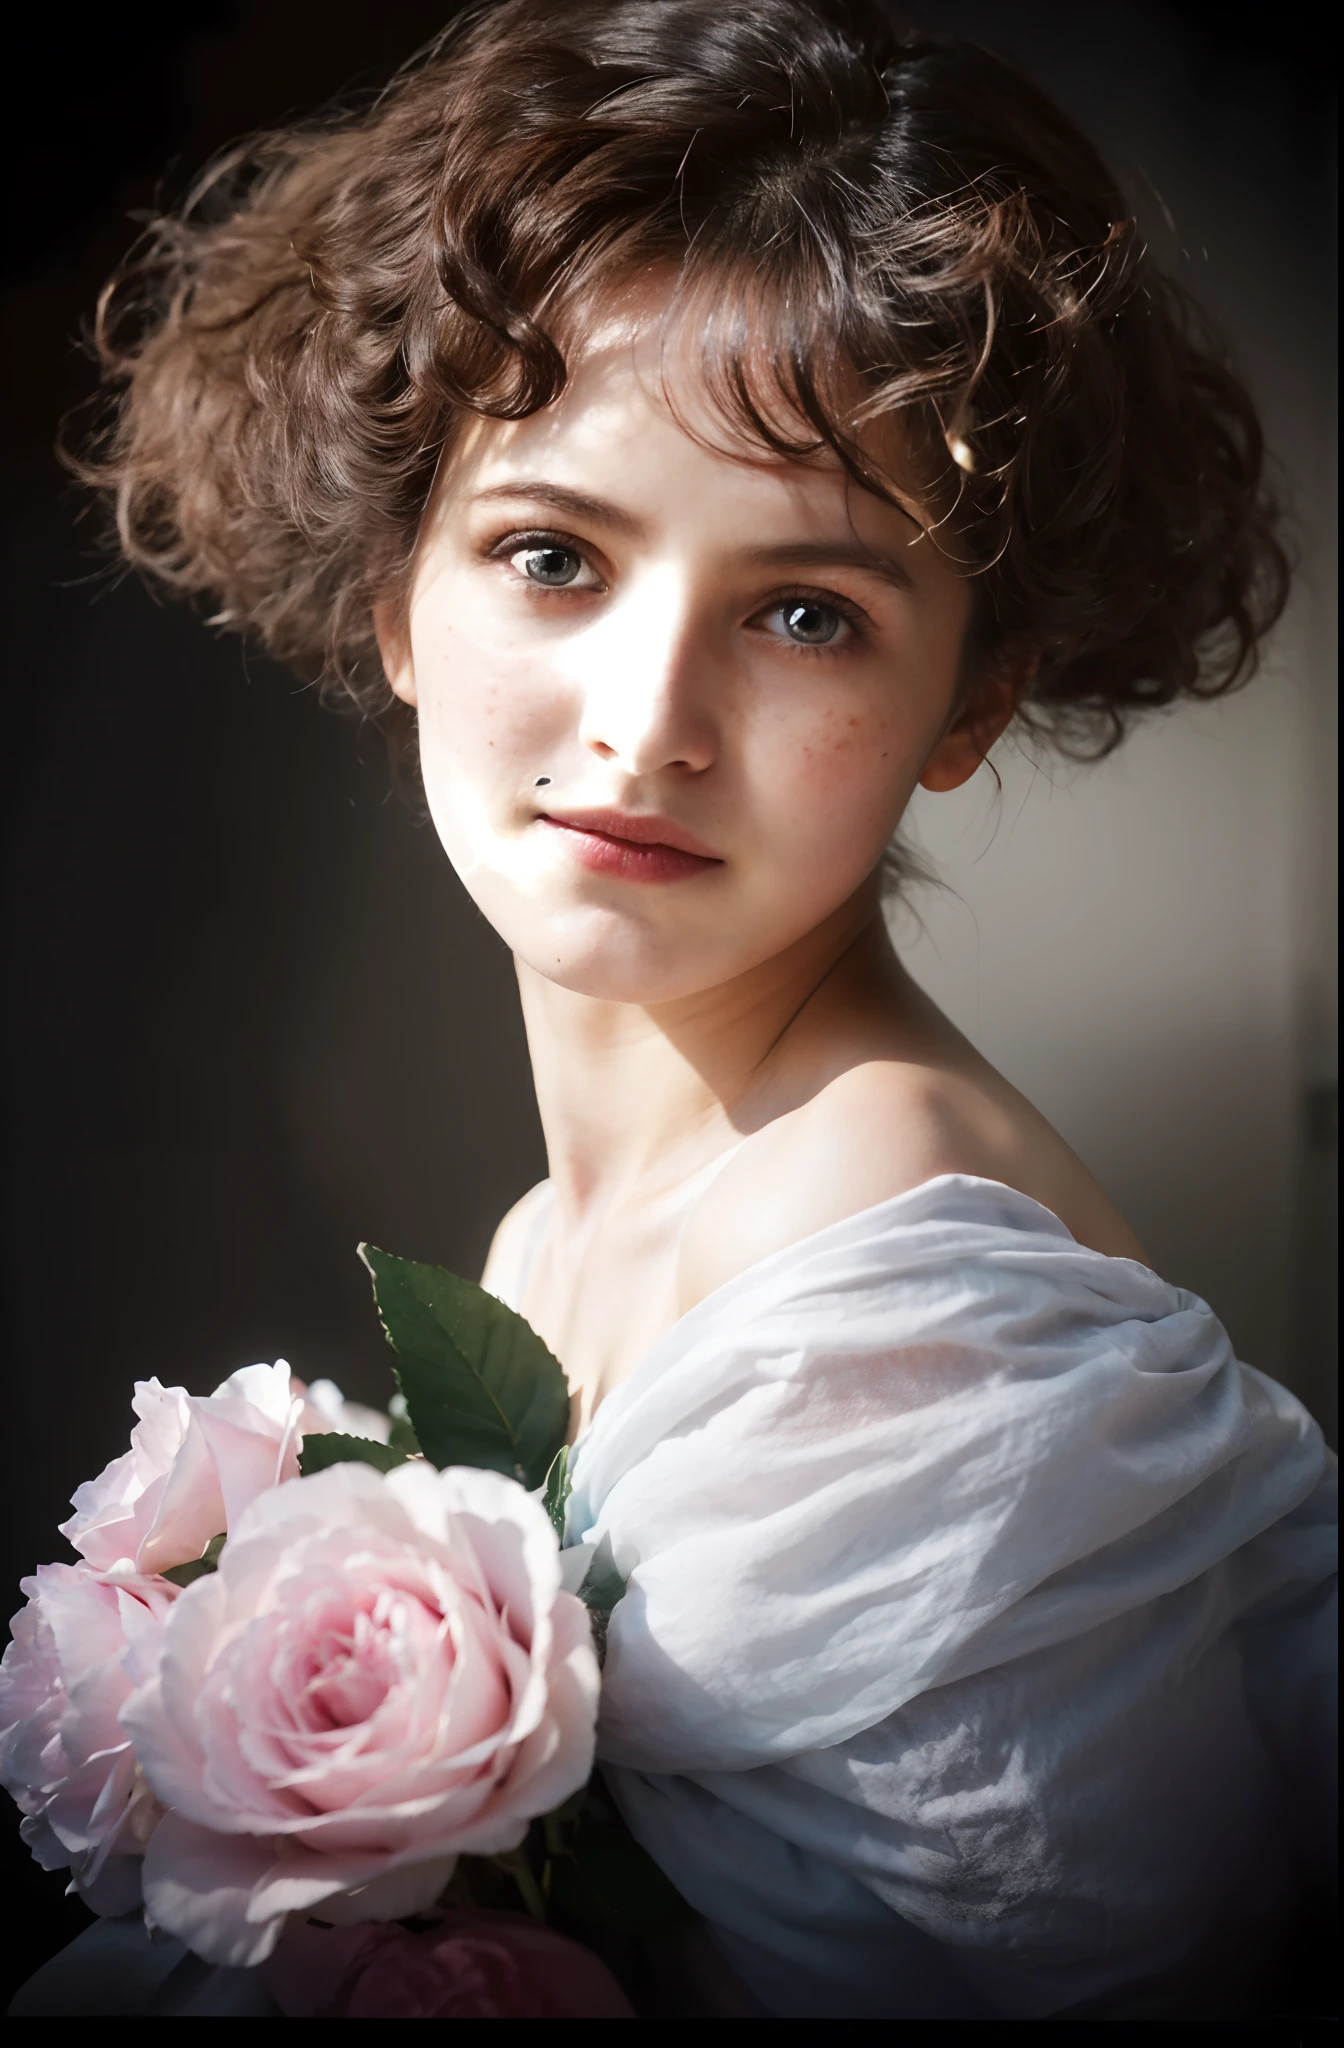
[634, 848]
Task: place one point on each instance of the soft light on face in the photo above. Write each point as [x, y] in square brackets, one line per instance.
[742, 667]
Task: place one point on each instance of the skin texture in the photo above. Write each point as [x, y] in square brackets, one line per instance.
[753, 1002]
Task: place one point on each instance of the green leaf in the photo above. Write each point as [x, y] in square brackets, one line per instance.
[569, 1814]
[208, 1561]
[403, 1437]
[602, 1584]
[481, 1388]
[609, 1879]
[558, 1488]
[331, 1448]
[602, 1587]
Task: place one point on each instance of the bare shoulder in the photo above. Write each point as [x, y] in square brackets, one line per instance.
[876, 1130]
[509, 1245]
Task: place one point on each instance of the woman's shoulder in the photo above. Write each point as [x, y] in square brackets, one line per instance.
[514, 1243]
[877, 1130]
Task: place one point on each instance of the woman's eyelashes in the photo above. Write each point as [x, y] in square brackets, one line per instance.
[799, 621]
[812, 621]
[548, 561]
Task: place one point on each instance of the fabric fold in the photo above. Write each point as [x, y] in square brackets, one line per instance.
[934, 1438]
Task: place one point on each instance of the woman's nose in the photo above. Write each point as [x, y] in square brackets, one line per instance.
[646, 685]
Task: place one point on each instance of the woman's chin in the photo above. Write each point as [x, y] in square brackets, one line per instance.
[645, 950]
[612, 974]
[613, 958]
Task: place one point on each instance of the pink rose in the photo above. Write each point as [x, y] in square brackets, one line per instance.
[80, 1647]
[383, 1673]
[195, 1463]
[473, 1966]
[326, 1408]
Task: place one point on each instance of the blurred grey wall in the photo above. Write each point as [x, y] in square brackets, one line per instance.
[1148, 948]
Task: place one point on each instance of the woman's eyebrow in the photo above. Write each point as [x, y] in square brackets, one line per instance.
[828, 554]
[561, 498]
[799, 554]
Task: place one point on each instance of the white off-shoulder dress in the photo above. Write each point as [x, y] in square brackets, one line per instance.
[977, 1656]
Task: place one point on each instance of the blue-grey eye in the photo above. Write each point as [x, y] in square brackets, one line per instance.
[810, 623]
[552, 566]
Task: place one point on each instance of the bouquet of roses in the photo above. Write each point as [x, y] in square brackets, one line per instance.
[319, 1696]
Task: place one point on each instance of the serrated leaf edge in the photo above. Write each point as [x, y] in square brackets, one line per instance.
[556, 1491]
[508, 1428]
[374, 1455]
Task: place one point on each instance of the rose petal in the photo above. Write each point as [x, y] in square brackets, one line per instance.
[382, 1673]
[199, 1885]
[63, 1753]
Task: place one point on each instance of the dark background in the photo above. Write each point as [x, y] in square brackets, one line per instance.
[252, 1017]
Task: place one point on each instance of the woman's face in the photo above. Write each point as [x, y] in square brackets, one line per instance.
[672, 704]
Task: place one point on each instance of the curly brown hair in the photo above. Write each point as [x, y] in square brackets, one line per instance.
[846, 209]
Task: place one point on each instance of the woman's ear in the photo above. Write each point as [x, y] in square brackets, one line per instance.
[973, 732]
[391, 631]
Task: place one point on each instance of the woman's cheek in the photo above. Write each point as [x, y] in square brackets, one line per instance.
[848, 779]
[484, 720]
[463, 764]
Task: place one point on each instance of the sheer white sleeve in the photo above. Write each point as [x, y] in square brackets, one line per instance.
[975, 1612]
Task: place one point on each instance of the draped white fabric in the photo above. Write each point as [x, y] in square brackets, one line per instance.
[976, 1615]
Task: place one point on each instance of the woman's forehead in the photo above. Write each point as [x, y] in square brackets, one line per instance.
[621, 463]
[639, 406]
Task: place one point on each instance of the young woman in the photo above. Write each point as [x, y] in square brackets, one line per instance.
[688, 429]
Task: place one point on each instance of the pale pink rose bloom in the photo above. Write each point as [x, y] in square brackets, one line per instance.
[326, 1408]
[472, 1966]
[85, 1641]
[195, 1463]
[383, 1674]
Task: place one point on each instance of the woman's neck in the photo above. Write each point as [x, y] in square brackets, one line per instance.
[638, 1098]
